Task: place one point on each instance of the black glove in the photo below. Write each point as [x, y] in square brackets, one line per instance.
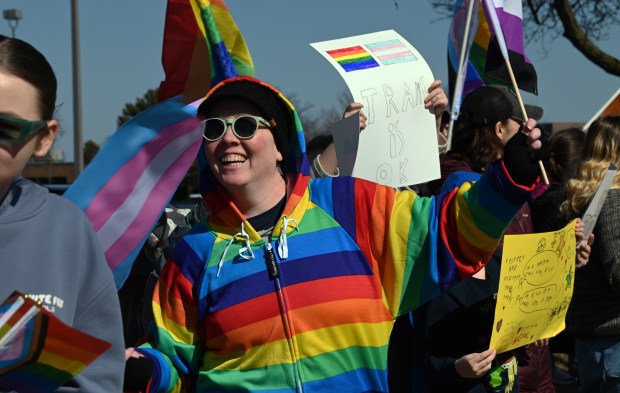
[138, 372]
[521, 164]
[544, 153]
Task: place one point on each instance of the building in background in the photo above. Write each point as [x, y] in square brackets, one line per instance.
[51, 169]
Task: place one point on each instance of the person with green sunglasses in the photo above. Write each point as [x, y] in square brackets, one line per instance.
[48, 249]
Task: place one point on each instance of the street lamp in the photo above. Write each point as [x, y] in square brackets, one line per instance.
[78, 152]
[12, 16]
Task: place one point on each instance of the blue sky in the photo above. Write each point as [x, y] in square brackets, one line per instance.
[120, 45]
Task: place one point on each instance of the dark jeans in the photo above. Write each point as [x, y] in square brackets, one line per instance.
[598, 361]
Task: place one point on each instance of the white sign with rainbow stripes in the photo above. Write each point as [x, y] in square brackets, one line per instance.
[390, 78]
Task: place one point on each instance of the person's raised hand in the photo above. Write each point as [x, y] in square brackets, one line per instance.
[436, 100]
[520, 154]
[351, 109]
[534, 135]
[583, 247]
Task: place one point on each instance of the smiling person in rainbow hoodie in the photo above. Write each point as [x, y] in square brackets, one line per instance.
[292, 284]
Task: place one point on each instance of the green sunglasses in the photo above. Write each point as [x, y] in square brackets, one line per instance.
[13, 129]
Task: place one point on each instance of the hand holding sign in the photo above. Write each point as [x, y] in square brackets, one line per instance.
[594, 208]
[535, 288]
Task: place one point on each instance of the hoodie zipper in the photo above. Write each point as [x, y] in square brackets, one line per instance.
[274, 273]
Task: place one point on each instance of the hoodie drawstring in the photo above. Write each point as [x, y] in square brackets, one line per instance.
[282, 241]
[244, 252]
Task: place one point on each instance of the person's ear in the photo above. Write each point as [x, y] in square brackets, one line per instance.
[499, 129]
[279, 156]
[45, 138]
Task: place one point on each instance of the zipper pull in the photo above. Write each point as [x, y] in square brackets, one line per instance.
[271, 262]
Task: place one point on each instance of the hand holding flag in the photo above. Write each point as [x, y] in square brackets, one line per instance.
[38, 352]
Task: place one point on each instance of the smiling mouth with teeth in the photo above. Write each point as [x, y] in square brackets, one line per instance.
[232, 159]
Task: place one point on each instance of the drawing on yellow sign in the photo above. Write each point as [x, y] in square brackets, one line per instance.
[535, 287]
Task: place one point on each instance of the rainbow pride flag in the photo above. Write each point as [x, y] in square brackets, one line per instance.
[475, 51]
[38, 352]
[129, 182]
[354, 58]
[202, 46]
[391, 52]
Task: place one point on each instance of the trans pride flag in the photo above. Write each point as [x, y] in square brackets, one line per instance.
[129, 182]
[391, 52]
[202, 46]
[484, 63]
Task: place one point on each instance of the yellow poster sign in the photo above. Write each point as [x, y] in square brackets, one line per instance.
[535, 287]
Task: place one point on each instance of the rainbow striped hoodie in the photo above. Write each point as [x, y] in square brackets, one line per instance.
[312, 309]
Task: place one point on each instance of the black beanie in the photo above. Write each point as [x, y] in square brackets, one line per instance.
[271, 107]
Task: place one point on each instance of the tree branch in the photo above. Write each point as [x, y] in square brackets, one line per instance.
[574, 33]
[534, 11]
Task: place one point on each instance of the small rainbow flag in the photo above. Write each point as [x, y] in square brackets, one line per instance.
[391, 52]
[354, 58]
[38, 352]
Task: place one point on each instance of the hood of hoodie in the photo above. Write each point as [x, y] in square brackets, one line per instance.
[24, 200]
[225, 217]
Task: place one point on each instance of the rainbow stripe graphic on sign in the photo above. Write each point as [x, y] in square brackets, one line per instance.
[391, 52]
[354, 58]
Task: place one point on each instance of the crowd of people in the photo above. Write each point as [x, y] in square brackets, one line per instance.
[289, 277]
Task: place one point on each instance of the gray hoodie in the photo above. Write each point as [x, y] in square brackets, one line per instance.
[48, 249]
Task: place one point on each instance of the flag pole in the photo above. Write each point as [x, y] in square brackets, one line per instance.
[502, 45]
[543, 172]
[459, 75]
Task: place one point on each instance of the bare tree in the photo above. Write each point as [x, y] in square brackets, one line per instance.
[327, 116]
[317, 123]
[90, 151]
[582, 22]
